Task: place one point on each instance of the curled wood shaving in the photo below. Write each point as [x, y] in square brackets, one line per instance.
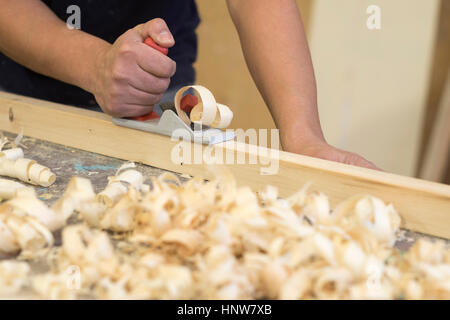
[26, 223]
[12, 154]
[13, 165]
[53, 287]
[78, 194]
[121, 217]
[8, 188]
[118, 184]
[18, 138]
[3, 140]
[22, 234]
[15, 144]
[13, 277]
[207, 111]
[26, 204]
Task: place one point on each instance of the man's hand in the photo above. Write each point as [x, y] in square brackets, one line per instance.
[321, 149]
[127, 78]
[131, 77]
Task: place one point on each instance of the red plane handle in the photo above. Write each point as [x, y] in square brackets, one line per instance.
[152, 115]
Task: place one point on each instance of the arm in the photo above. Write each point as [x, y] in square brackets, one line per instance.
[277, 54]
[127, 78]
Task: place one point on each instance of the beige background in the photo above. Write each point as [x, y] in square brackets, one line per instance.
[372, 84]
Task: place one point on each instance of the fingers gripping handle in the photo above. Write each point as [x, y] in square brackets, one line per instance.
[149, 41]
[152, 115]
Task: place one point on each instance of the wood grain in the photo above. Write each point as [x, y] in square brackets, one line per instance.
[423, 205]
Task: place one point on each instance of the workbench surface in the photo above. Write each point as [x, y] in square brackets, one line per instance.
[66, 162]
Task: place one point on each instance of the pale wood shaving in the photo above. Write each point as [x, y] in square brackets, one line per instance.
[14, 165]
[13, 277]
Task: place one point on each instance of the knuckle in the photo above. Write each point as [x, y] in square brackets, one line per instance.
[119, 71]
[168, 69]
[165, 83]
[160, 85]
[136, 28]
[158, 22]
[126, 50]
[117, 74]
[127, 34]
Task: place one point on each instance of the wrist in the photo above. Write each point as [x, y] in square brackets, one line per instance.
[97, 69]
[301, 138]
[92, 66]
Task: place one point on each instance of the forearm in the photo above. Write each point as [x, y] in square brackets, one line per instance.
[277, 54]
[33, 36]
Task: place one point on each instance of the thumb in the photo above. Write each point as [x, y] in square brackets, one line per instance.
[158, 30]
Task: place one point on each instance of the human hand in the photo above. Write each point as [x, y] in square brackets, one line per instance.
[131, 77]
[327, 152]
[318, 148]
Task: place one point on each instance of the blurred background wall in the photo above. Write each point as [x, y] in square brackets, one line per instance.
[373, 85]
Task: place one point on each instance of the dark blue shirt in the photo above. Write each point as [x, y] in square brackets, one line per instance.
[108, 19]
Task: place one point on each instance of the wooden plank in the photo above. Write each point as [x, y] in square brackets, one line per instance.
[423, 205]
[438, 151]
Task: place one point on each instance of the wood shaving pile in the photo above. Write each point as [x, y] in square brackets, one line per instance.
[214, 240]
[204, 240]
